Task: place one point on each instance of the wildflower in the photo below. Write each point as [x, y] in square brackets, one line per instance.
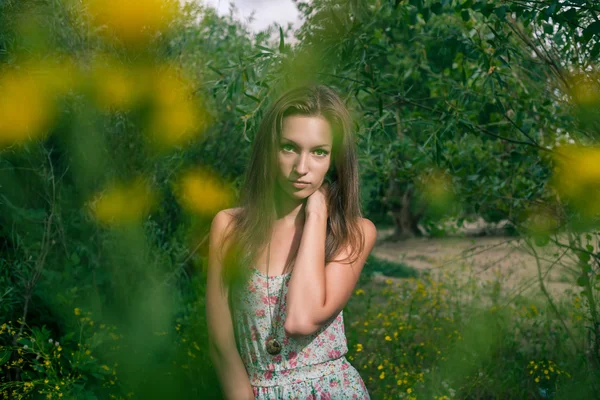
[202, 192]
[77, 311]
[382, 375]
[409, 390]
[122, 203]
[359, 291]
[387, 338]
[133, 22]
[50, 340]
[25, 347]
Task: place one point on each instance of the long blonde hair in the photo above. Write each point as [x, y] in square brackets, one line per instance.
[254, 221]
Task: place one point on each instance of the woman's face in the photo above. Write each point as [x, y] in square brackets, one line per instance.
[304, 154]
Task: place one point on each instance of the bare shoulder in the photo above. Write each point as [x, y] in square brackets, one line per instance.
[369, 230]
[220, 223]
[223, 218]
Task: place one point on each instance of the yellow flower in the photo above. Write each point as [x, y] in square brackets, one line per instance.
[123, 203]
[578, 175]
[132, 21]
[200, 191]
[380, 367]
[409, 390]
[359, 292]
[537, 379]
[26, 107]
[382, 375]
[115, 86]
[177, 115]
[77, 311]
[388, 338]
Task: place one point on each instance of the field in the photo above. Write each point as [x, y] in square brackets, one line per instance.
[473, 323]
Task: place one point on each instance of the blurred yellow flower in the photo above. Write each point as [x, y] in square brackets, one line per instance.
[200, 191]
[177, 115]
[123, 204]
[132, 21]
[26, 107]
[114, 84]
[584, 92]
[577, 177]
[77, 311]
[436, 187]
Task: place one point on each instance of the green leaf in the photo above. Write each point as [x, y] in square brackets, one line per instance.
[465, 15]
[4, 357]
[541, 240]
[582, 281]
[583, 256]
[75, 259]
[501, 12]
[281, 41]
[436, 8]
[593, 29]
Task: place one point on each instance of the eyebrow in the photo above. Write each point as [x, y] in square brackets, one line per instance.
[296, 144]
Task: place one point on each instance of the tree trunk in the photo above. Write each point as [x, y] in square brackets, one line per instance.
[399, 204]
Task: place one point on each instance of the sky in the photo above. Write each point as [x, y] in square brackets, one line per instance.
[267, 11]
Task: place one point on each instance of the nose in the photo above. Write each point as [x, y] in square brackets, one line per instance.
[302, 164]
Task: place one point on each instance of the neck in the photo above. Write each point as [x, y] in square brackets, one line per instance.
[288, 210]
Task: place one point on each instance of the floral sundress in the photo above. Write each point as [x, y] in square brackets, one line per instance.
[313, 367]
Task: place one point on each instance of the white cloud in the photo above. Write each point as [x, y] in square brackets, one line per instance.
[266, 11]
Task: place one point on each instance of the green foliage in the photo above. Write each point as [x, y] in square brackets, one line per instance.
[461, 103]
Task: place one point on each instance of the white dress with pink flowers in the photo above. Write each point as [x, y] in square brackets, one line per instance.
[313, 367]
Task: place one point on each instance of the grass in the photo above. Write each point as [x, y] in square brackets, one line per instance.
[422, 338]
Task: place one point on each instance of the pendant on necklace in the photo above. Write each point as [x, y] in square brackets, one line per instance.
[273, 346]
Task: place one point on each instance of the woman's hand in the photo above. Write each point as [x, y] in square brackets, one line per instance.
[317, 202]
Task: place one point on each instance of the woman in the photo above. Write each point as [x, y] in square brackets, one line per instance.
[283, 265]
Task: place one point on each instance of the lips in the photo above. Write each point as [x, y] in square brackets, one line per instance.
[300, 182]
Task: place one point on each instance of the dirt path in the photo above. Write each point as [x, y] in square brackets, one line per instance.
[507, 259]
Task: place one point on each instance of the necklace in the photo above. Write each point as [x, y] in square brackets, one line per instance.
[273, 345]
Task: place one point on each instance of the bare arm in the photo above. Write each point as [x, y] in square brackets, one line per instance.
[223, 350]
[317, 292]
[306, 292]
